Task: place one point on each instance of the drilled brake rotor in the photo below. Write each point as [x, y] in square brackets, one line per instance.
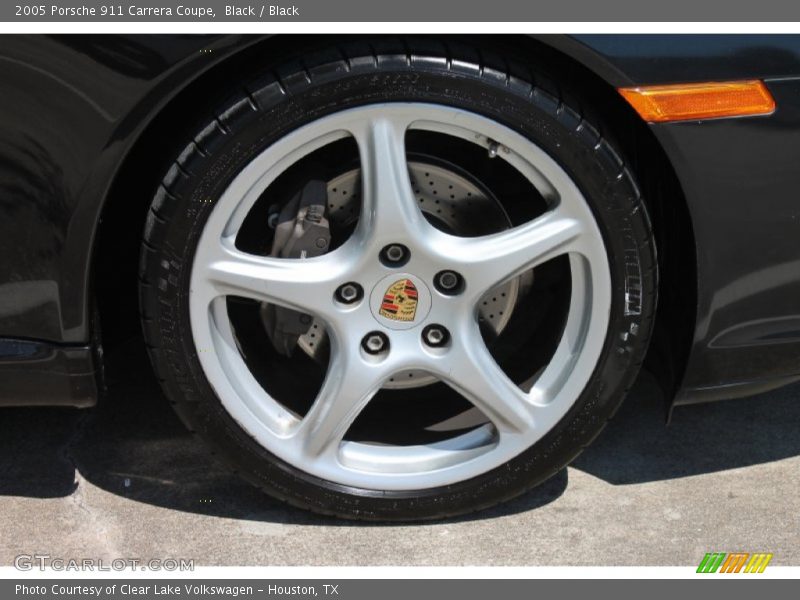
[452, 203]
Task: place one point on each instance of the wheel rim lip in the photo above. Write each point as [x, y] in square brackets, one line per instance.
[458, 460]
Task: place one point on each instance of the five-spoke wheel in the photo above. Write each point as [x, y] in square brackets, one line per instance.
[394, 243]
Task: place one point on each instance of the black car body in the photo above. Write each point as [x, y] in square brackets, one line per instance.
[86, 123]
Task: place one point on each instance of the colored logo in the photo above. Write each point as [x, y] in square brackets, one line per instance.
[734, 562]
[400, 301]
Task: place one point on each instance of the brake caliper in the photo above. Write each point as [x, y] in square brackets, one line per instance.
[302, 231]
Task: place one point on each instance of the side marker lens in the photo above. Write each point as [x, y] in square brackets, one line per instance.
[695, 101]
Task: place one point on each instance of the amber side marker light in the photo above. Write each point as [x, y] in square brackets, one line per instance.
[692, 101]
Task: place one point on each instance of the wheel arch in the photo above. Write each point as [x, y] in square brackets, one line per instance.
[583, 75]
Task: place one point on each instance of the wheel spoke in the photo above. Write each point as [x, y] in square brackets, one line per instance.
[348, 387]
[489, 260]
[473, 372]
[389, 210]
[294, 283]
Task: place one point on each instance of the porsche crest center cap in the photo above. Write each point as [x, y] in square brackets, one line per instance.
[400, 301]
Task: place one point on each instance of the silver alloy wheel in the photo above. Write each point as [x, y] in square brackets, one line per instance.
[390, 214]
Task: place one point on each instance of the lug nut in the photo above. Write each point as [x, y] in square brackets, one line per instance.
[375, 342]
[435, 336]
[448, 282]
[349, 293]
[394, 255]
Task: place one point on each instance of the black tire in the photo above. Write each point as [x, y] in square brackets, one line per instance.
[298, 93]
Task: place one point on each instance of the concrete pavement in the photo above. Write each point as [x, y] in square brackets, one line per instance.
[126, 480]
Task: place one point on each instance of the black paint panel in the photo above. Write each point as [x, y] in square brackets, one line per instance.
[742, 183]
[42, 374]
[70, 108]
[652, 59]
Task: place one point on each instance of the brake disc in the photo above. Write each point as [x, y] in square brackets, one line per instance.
[453, 203]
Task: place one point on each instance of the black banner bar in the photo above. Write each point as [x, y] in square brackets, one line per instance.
[733, 588]
[440, 11]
